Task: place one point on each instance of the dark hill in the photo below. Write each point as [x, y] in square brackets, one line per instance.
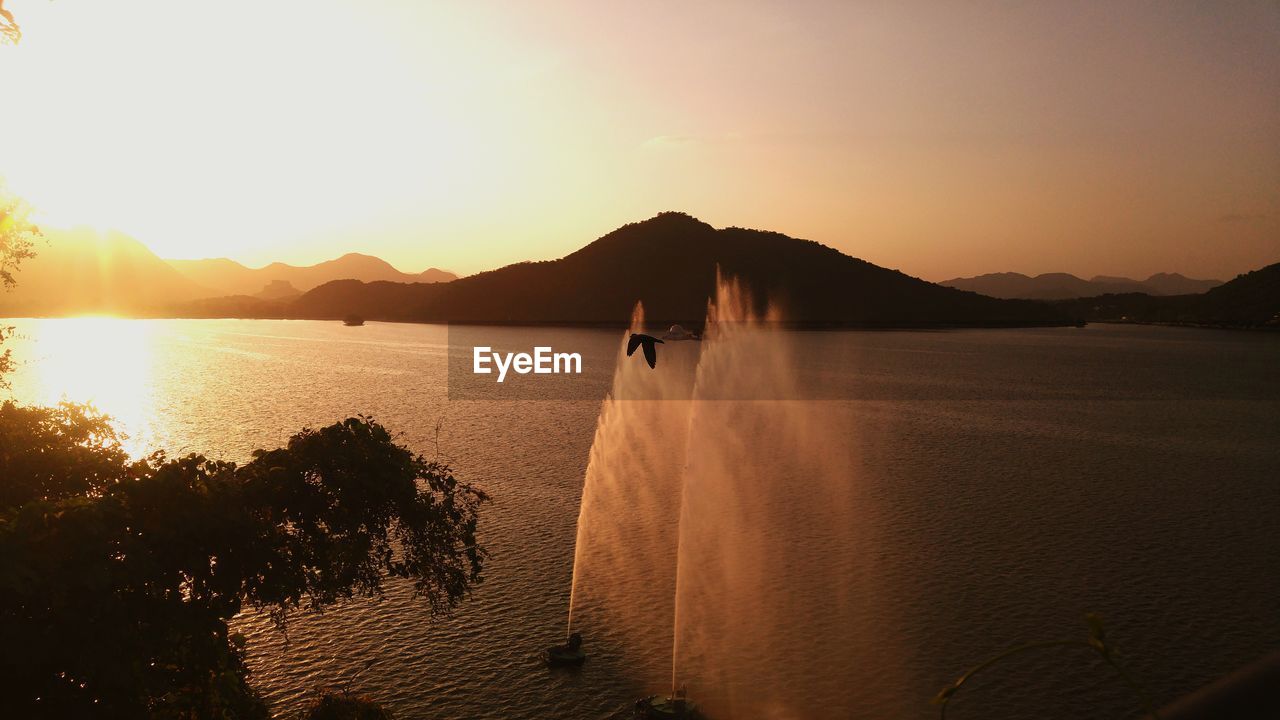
[669, 263]
[1250, 300]
[1064, 286]
[374, 301]
[1175, 284]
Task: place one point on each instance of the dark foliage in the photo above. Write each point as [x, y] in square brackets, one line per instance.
[117, 580]
[16, 233]
[16, 239]
[382, 300]
[55, 453]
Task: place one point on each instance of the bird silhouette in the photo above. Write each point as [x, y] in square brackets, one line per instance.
[650, 350]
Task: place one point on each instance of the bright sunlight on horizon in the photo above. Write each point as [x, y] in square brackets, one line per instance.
[1093, 138]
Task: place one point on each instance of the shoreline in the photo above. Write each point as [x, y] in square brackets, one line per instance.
[589, 324]
[1198, 326]
[592, 324]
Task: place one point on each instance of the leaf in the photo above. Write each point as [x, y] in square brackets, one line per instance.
[1097, 634]
[945, 694]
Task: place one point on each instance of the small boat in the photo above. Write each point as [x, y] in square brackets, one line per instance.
[675, 707]
[352, 320]
[568, 654]
[559, 656]
[677, 332]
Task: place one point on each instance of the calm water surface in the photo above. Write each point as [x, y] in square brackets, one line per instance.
[1011, 480]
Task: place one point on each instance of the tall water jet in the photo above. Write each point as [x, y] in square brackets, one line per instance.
[624, 563]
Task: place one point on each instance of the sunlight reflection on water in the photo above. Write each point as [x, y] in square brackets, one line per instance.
[103, 361]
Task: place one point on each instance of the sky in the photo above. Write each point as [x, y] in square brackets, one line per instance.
[941, 139]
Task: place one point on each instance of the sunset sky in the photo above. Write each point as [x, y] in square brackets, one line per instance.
[942, 139]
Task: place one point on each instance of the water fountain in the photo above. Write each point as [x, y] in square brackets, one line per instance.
[719, 527]
[624, 564]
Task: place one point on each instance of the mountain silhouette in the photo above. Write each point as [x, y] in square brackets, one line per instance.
[435, 275]
[1250, 300]
[1176, 284]
[84, 271]
[373, 301]
[1063, 286]
[669, 263]
[278, 290]
[228, 277]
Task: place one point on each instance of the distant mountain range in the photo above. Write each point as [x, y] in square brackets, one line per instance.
[83, 271]
[228, 277]
[668, 263]
[1063, 286]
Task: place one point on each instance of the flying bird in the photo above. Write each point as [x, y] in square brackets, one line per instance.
[650, 350]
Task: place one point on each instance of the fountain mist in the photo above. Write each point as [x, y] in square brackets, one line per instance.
[724, 520]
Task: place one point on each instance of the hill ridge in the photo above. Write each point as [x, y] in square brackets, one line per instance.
[1064, 286]
[669, 263]
[1250, 300]
[230, 277]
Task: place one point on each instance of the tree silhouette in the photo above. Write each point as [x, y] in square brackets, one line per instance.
[16, 236]
[116, 592]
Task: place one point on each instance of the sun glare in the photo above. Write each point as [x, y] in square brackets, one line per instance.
[195, 142]
[100, 360]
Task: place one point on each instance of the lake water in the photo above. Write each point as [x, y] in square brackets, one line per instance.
[1007, 482]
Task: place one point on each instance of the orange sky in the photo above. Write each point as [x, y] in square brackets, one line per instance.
[942, 139]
